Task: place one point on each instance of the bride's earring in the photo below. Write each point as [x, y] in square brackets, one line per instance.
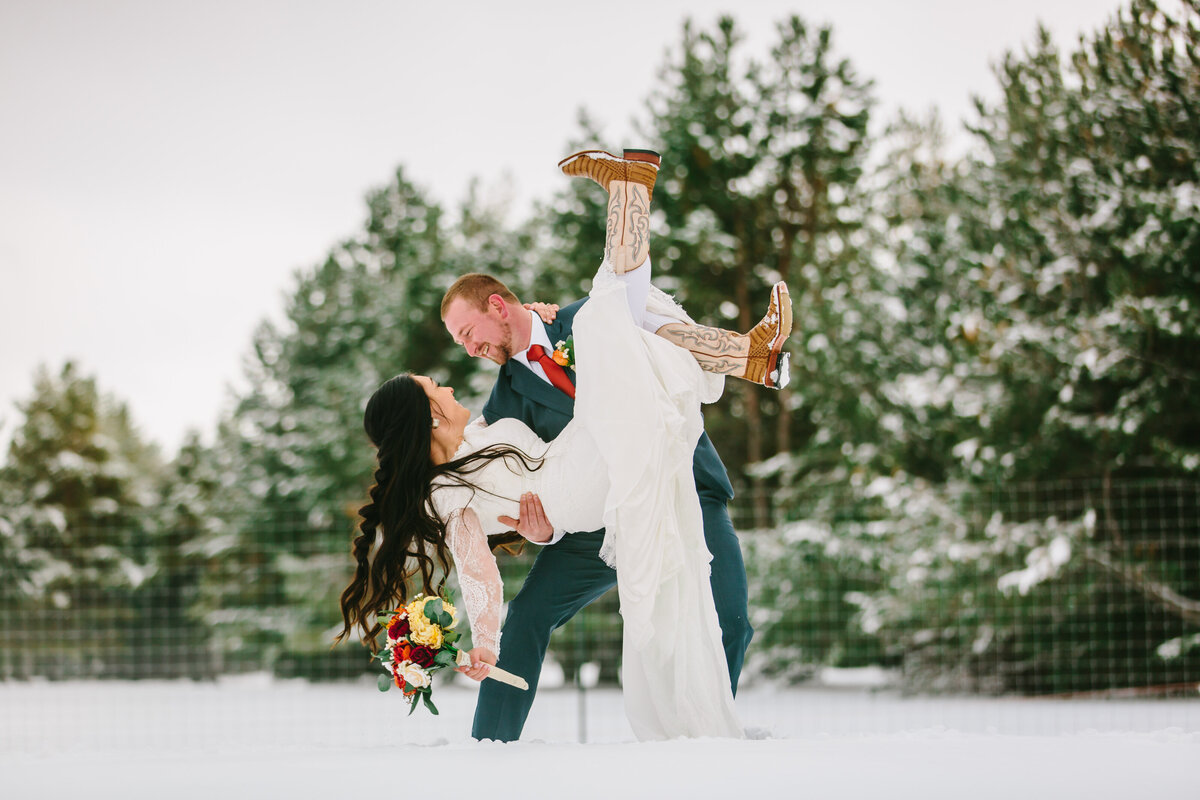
[435, 422]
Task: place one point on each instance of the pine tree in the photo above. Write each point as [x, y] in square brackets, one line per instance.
[762, 183]
[1036, 304]
[573, 227]
[194, 524]
[1058, 259]
[368, 312]
[77, 537]
[703, 115]
[1084, 244]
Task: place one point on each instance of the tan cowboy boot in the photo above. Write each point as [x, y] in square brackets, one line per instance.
[630, 184]
[627, 229]
[636, 166]
[756, 356]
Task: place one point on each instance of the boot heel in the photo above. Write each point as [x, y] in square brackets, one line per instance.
[767, 364]
[648, 156]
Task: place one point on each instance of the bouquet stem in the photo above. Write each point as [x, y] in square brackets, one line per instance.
[494, 672]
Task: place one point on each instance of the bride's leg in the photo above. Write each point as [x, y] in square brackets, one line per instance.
[629, 181]
[637, 289]
[627, 230]
[756, 356]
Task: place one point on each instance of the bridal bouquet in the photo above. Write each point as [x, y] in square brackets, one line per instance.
[420, 642]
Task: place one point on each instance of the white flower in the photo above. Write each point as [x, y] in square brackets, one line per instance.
[414, 675]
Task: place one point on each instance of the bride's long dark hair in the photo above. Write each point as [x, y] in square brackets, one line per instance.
[399, 422]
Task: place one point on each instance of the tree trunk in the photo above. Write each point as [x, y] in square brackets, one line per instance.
[754, 436]
[783, 422]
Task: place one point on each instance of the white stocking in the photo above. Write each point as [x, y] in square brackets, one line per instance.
[637, 288]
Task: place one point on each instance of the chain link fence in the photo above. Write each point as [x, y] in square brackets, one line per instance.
[1053, 589]
[1048, 588]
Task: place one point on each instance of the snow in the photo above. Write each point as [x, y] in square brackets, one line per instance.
[1043, 564]
[257, 737]
[926, 766]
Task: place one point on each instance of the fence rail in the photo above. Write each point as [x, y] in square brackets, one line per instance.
[1059, 589]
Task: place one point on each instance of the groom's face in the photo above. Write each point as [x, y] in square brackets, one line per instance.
[485, 333]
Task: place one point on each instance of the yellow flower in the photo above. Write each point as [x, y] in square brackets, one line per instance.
[452, 611]
[425, 632]
[422, 630]
[417, 607]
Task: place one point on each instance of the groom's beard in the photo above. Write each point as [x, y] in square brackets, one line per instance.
[502, 351]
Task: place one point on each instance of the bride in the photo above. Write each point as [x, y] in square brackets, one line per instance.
[624, 463]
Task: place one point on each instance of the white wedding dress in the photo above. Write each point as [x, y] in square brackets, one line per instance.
[623, 463]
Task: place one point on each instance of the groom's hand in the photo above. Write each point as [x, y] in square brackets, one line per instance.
[532, 523]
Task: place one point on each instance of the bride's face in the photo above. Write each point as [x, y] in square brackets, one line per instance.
[446, 410]
[441, 397]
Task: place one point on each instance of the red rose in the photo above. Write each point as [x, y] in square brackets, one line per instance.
[422, 655]
[398, 626]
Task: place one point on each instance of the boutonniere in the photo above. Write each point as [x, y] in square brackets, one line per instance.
[564, 353]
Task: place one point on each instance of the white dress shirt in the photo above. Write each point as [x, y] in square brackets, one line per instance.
[537, 335]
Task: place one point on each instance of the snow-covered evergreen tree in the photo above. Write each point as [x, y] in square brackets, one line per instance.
[762, 182]
[78, 484]
[1083, 240]
[1049, 295]
[302, 463]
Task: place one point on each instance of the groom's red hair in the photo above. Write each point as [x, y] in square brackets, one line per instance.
[475, 288]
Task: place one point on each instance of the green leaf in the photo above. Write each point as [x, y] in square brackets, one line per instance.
[384, 683]
[445, 658]
[445, 620]
[412, 705]
[428, 698]
[450, 637]
[433, 611]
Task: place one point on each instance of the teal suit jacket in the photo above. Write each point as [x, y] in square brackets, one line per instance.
[520, 394]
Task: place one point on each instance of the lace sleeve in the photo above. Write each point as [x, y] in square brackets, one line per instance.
[478, 576]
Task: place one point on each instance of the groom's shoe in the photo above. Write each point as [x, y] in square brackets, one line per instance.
[767, 363]
[635, 166]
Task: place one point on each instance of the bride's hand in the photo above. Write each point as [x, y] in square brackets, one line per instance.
[532, 524]
[547, 311]
[482, 660]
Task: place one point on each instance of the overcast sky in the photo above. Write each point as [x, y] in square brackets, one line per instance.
[166, 167]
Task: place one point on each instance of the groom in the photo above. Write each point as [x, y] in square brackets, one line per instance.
[488, 320]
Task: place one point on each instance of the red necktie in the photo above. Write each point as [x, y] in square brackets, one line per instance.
[554, 372]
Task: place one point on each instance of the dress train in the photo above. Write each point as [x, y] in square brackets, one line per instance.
[639, 397]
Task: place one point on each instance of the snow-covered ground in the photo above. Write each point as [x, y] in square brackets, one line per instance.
[253, 737]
